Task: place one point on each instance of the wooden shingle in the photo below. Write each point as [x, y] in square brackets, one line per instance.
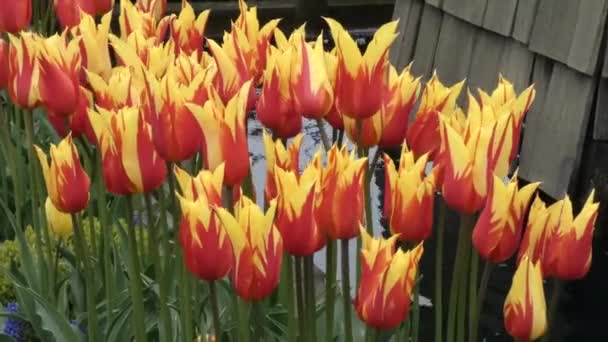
[454, 49]
[600, 125]
[587, 36]
[516, 64]
[410, 34]
[524, 19]
[553, 138]
[426, 43]
[401, 12]
[553, 32]
[486, 58]
[499, 16]
[468, 10]
[436, 3]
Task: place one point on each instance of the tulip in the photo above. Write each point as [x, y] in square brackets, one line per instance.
[78, 123]
[132, 19]
[94, 51]
[60, 223]
[155, 7]
[24, 70]
[333, 117]
[119, 91]
[3, 64]
[257, 247]
[567, 252]
[410, 197]
[361, 79]
[538, 231]
[175, 132]
[225, 137]
[142, 54]
[342, 196]
[278, 155]
[524, 311]
[497, 232]
[312, 91]
[96, 7]
[275, 108]
[188, 31]
[296, 210]
[60, 75]
[68, 12]
[370, 130]
[206, 248]
[66, 182]
[423, 135]
[387, 281]
[15, 15]
[401, 94]
[129, 160]
[206, 184]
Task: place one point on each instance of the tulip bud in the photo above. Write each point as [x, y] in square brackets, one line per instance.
[15, 15]
[277, 154]
[188, 31]
[257, 248]
[59, 223]
[366, 132]
[68, 12]
[24, 70]
[524, 311]
[66, 181]
[387, 281]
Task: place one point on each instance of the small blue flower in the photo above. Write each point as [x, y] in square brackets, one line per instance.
[15, 327]
[81, 327]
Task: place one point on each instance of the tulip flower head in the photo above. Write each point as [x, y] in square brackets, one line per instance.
[188, 30]
[207, 184]
[225, 138]
[3, 64]
[155, 7]
[60, 75]
[96, 7]
[24, 70]
[365, 132]
[361, 79]
[68, 12]
[119, 91]
[60, 223]
[275, 108]
[78, 123]
[132, 19]
[409, 197]
[15, 15]
[387, 281]
[95, 55]
[296, 210]
[130, 161]
[286, 158]
[333, 117]
[524, 310]
[66, 181]
[257, 246]
[497, 232]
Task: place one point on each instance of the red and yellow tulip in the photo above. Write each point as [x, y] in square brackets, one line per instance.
[24, 70]
[524, 310]
[15, 15]
[132, 19]
[59, 83]
[409, 197]
[3, 64]
[423, 135]
[59, 223]
[333, 117]
[119, 91]
[277, 155]
[206, 184]
[130, 161]
[68, 12]
[296, 210]
[94, 51]
[401, 94]
[538, 231]
[312, 91]
[497, 232]
[78, 123]
[96, 7]
[155, 7]
[361, 79]
[66, 181]
[225, 137]
[275, 108]
[188, 30]
[387, 280]
[257, 246]
[366, 135]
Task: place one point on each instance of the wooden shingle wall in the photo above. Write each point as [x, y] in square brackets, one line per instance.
[559, 45]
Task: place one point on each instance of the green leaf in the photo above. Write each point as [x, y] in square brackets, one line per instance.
[6, 338]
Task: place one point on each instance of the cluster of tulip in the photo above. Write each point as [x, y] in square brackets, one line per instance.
[149, 103]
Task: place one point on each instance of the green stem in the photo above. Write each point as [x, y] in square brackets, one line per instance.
[330, 292]
[215, 309]
[466, 225]
[292, 324]
[107, 238]
[348, 323]
[456, 275]
[440, 231]
[556, 293]
[323, 134]
[259, 317]
[300, 292]
[243, 310]
[135, 277]
[473, 299]
[481, 295]
[81, 250]
[311, 301]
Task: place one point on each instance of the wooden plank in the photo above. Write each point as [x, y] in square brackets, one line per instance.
[401, 12]
[468, 10]
[552, 33]
[499, 16]
[436, 3]
[516, 64]
[554, 137]
[600, 125]
[426, 44]
[524, 19]
[410, 35]
[587, 36]
[454, 49]
[485, 61]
